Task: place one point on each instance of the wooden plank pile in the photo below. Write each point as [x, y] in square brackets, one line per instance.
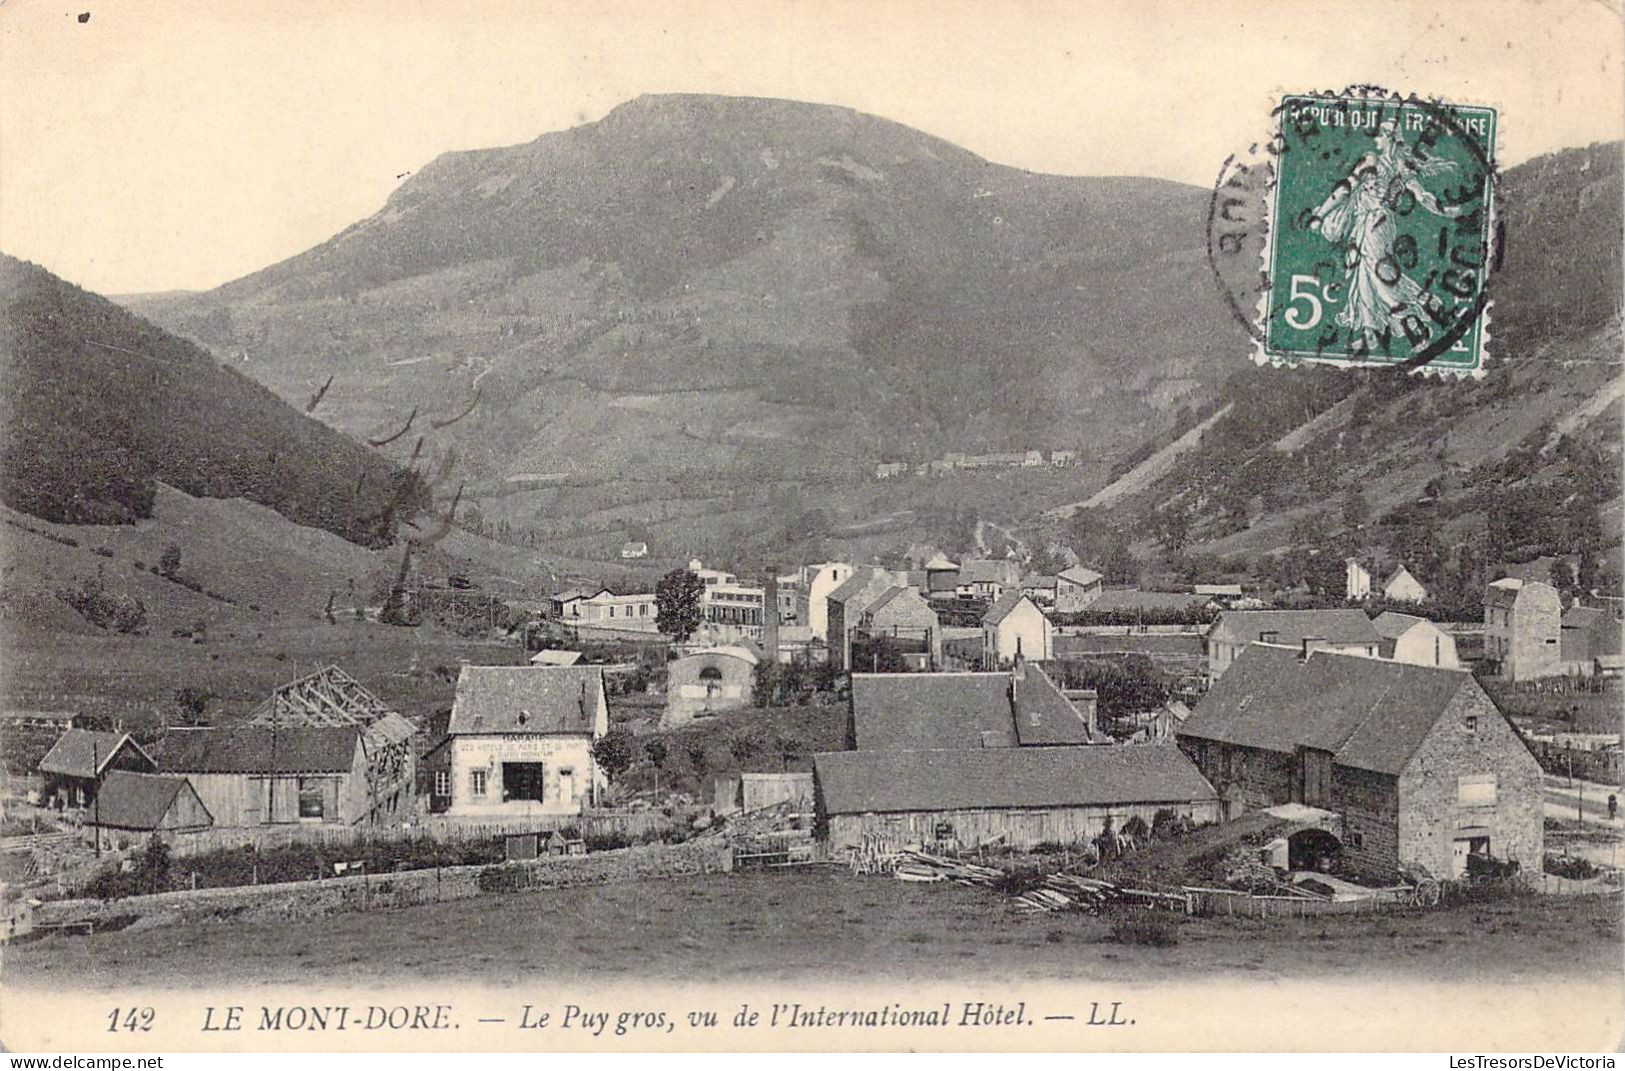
[1073, 892]
[914, 865]
[1053, 892]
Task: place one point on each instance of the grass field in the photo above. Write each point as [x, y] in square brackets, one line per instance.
[767, 926]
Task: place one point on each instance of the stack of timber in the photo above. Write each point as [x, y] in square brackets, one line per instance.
[1053, 892]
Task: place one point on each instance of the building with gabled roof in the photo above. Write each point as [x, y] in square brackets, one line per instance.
[846, 605]
[145, 803]
[1416, 640]
[1075, 588]
[73, 769]
[1401, 586]
[252, 775]
[915, 711]
[1014, 797]
[1347, 630]
[1014, 627]
[987, 578]
[1588, 634]
[519, 742]
[1421, 767]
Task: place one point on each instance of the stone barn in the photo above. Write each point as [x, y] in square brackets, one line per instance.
[1418, 763]
[708, 682]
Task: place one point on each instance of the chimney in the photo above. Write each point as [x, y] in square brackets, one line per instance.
[1312, 644]
[1268, 635]
[770, 616]
[1018, 671]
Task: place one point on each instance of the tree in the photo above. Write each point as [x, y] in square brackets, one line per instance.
[613, 753]
[169, 562]
[152, 873]
[192, 705]
[1120, 566]
[677, 604]
[655, 748]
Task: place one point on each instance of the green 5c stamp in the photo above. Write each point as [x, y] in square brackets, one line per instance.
[1382, 234]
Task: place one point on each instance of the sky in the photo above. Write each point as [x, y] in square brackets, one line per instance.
[177, 145]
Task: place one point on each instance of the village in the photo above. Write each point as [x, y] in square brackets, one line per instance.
[1068, 747]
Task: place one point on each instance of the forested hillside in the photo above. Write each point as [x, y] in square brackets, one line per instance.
[101, 405]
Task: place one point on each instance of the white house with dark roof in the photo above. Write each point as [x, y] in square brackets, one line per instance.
[1401, 586]
[519, 742]
[1345, 630]
[1418, 766]
[1014, 627]
[1416, 640]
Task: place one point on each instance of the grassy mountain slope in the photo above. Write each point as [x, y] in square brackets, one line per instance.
[699, 286]
[1450, 477]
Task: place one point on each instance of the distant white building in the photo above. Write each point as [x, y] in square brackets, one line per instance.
[812, 595]
[1357, 584]
[1415, 641]
[634, 550]
[1403, 587]
[1014, 625]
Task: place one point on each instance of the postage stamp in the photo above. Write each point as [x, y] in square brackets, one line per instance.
[1381, 239]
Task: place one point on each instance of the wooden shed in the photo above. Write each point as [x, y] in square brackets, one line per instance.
[147, 803]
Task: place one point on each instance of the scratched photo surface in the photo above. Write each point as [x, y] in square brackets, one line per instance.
[559, 526]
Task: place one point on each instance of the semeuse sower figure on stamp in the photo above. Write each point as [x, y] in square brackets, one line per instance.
[1359, 217]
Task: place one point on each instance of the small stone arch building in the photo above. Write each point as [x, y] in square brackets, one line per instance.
[708, 682]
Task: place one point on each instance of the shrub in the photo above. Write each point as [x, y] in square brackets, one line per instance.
[105, 552]
[1143, 928]
[1565, 866]
[500, 879]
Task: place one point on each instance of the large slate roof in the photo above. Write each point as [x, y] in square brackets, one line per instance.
[85, 752]
[900, 711]
[1292, 627]
[1370, 713]
[259, 749]
[526, 699]
[138, 801]
[855, 782]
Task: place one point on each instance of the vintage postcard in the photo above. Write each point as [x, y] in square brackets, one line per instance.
[811, 526]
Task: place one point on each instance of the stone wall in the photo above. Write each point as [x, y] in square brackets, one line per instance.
[309, 899]
[1433, 812]
[1369, 804]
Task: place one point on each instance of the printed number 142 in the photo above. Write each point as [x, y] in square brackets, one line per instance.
[130, 1020]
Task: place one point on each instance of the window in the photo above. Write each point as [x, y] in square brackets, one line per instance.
[310, 797]
[1475, 790]
[1471, 722]
[442, 782]
[1356, 839]
[476, 782]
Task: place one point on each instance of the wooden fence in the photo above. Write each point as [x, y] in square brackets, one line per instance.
[1230, 902]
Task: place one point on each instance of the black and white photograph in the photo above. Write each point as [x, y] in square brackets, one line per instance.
[817, 526]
